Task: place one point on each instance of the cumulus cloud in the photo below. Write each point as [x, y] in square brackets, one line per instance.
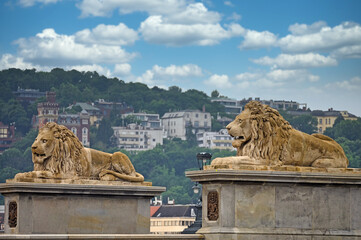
[287, 61]
[254, 39]
[219, 81]
[123, 69]
[321, 38]
[303, 29]
[228, 3]
[155, 30]
[29, 3]
[51, 49]
[103, 8]
[10, 61]
[108, 35]
[158, 75]
[354, 84]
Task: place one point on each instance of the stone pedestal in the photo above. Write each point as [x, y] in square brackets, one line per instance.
[244, 204]
[41, 208]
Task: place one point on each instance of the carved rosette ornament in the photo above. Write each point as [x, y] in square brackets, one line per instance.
[13, 214]
[212, 206]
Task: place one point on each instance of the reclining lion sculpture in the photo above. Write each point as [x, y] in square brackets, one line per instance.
[263, 137]
[58, 153]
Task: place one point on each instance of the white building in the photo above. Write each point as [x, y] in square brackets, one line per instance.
[137, 138]
[175, 124]
[215, 140]
[147, 119]
[231, 106]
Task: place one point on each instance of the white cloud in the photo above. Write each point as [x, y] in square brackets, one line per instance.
[228, 3]
[155, 30]
[160, 75]
[287, 61]
[122, 69]
[354, 84]
[108, 35]
[195, 13]
[234, 17]
[103, 8]
[51, 49]
[29, 3]
[10, 61]
[347, 52]
[325, 39]
[254, 39]
[303, 29]
[219, 81]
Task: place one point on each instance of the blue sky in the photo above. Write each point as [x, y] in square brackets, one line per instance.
[306, 51]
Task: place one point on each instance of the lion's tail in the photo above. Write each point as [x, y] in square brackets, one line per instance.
[137, 178]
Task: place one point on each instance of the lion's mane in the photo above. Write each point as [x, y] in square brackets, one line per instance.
[270, 132]
[67, 153]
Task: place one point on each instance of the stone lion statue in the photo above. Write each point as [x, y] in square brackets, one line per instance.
[263, 137]
[58, 153]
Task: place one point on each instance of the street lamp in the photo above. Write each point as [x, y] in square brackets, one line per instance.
[203, 159]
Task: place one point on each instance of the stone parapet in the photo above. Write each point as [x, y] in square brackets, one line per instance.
[38, 208]
[100, 236]
[249, 204]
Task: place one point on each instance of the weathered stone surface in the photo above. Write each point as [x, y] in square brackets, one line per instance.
[294, 207]
[282, 204]
[70, 208]
[255, 206]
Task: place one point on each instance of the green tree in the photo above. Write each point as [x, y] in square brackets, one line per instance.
[215, 94]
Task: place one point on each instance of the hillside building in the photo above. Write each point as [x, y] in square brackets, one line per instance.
[7, 136]
[95, 114]
[175, 124]
[28, 96]
[326, 119]
[146, 119]
[48, 111]
[106, 107]
[136, 137]
[215, 140]
[231, 106]
[172, 219]
[79, 124]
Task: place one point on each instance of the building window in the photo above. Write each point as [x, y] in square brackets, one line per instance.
[196, 124]
[205, 116]
[85, 136]
[320, 130]
[320, 121]
[73, 129]
[196, 115]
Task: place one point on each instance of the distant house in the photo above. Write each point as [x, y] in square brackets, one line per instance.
[136, 137]
[7, 136]
[28, 95]
[231, 106]
[95, 114]
[215, 140]
[79, 124]
[48, 111]
[326, 119]
[175, 124]
[146, 119]
[106, 107]
[172, 219]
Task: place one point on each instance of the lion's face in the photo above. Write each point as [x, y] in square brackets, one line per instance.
[43, 146]
[240, 129]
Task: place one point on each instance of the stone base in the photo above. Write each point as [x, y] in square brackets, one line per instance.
[39, 208]
[243, 204]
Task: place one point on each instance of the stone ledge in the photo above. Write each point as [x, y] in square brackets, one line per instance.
[87, 189]
[278, 231]
[301, 177]
[100, 236]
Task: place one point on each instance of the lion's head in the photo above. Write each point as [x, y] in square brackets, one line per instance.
[56, 149]
[259, 132]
